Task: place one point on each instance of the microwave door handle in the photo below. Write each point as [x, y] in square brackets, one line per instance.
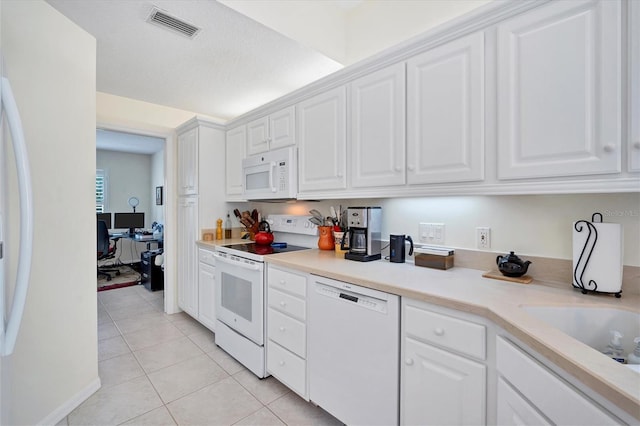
[272, 177]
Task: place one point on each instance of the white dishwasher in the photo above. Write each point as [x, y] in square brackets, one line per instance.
[354, 349]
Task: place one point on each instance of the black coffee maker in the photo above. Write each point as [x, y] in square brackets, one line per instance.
[397, 247]
[364, 234]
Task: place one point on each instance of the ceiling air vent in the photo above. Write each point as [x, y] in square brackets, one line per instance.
[163, 19]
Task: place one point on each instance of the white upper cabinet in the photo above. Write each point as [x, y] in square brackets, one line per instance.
[274, 131]
[559, 104]
[634, 89]
[321, 130]
[445, 113]
[234, 153]
[188, 162]
[378, 128]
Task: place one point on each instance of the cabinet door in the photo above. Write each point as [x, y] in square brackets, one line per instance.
[321, 128]
[514, 410]
[559, 91]
[188, 162]
[634, 89]
[258, 136]
[206, 295]
[445, 113]
[234, 153]
[439, 388]
[282, 128]
[186, 255]
[378, 128]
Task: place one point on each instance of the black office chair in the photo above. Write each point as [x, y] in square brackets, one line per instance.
[105, 250]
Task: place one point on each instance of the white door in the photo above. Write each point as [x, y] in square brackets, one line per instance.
[186, 257]
[440, 388]
[514, 410]
[321, 124]
[378, 128]
[634, 89]
[559, 91]
[234, 153]
[188, 162]
[282, 128]
[206, 295]
[445, 113]
[239, 296]
[258, 136]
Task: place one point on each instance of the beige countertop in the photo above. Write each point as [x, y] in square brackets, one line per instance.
[499, 301]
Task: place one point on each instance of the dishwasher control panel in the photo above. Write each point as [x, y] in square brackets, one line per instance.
[351, 296]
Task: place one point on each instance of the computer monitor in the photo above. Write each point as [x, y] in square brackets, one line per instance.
[129, 220]
[106, 217]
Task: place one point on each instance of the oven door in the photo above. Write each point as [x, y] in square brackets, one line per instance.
[240, 295]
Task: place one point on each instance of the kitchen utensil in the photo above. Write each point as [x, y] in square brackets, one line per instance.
[264, 235]
[316, 221]
[512, 265]
[397, 248]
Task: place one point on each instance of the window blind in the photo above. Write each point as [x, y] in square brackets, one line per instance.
[101, 191]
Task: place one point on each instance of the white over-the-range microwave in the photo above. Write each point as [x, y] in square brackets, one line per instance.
[271, 175]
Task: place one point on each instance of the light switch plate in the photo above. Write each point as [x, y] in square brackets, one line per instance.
[431, 233]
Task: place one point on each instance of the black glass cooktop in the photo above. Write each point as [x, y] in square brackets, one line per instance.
[262, 250]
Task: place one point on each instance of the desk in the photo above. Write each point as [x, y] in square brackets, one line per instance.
[136, 237]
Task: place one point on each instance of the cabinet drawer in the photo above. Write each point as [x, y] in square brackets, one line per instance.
[287, 281]
[287, 368]
[288, 304]
[452, 333]
[564, 405]
[287, 332]
[206, 256]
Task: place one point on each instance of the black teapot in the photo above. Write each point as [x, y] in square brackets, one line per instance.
[512, 265]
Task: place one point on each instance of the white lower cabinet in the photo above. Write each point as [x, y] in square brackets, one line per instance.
[440, 384]
[287, 328]
[206, 288]
[545, 398]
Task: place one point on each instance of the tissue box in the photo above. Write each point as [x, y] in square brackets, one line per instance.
[433, 260]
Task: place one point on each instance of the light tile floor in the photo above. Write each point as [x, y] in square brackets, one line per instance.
[159, 369]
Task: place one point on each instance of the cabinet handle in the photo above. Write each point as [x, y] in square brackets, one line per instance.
[609, 147]
[283, 282]
[410, 167]
[636, 145]
[397, 169]
[283, 304]
[282, 329]
[339, 174]
[281, 363]
[438, 331]
[408, 361]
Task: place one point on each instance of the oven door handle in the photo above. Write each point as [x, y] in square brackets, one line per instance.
[252, 266]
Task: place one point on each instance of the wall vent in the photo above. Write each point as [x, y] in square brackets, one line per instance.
[163, 19]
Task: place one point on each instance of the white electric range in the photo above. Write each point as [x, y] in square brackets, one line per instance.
[241, 277]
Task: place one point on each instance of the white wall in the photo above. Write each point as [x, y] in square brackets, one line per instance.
[129, 175]
[539, 225]
[377, 25]
[52, 70]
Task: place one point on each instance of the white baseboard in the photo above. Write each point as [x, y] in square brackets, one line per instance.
[72, 403]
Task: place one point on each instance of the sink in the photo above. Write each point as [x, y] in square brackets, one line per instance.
[590, 325]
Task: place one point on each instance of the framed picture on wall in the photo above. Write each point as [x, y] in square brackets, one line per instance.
[158, 195]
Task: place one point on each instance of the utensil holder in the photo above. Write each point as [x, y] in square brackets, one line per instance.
[325, 240]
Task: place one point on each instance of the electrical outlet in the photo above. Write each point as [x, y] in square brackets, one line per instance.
[431, 233]
[483, 237]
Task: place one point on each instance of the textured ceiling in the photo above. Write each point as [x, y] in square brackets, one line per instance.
[232, 66]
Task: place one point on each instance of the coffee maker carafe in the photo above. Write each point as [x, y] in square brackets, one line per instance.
[365, 228]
